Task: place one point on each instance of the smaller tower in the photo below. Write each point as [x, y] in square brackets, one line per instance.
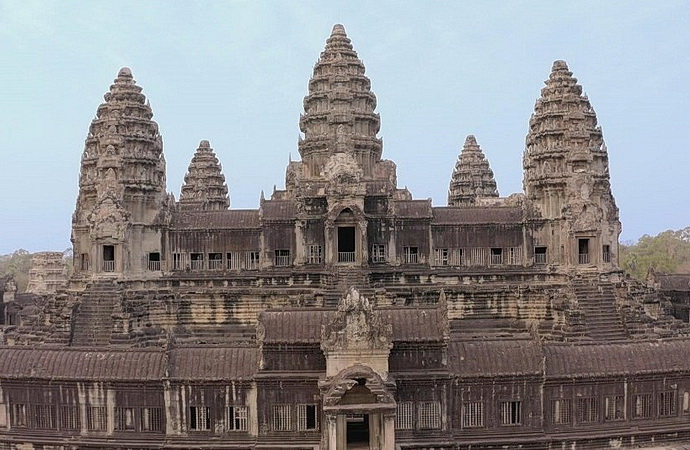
[204, 185]
[472, 177]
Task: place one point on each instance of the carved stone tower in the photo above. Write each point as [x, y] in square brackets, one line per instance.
[472, 177]
[204, 185]
[121, 184]
[566, 177]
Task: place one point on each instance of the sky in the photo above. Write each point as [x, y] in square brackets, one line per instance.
[236, 72]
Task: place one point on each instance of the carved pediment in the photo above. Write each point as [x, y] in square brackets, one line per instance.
[108, 219]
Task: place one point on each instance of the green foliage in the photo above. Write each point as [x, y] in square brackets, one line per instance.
[17, 264]
[667, 252]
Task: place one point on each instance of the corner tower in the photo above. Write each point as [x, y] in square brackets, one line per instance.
[472, 177]
[121, 184]
[566, 176]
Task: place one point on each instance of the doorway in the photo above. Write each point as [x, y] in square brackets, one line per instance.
[108, 258]
[346, 244]
[357, 431]
[583, 251]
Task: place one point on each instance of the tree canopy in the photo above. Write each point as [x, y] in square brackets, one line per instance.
[667, 252]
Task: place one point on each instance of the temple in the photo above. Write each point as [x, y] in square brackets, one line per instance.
[342, 313]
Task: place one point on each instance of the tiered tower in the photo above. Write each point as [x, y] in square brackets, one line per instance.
[339, 122]
[121, 184]
[204, 184]
[566, 175]
[472, 177]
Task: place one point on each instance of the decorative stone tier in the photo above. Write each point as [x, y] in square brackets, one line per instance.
[472, 177]
[204, 185]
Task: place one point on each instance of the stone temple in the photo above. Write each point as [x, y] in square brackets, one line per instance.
[343, 313]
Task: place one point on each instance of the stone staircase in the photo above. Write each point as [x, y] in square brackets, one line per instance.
[597, 301]
[343, 278]
[92, 324]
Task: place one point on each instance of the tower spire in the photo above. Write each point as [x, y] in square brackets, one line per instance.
[339, 108]
[204, 185]
[472, 177]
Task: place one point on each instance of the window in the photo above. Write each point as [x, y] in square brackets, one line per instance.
[197, 261]
[151, 419]
[199, 418]
[378, 253]
[307, 419]
[236, 419]
[667, 404]
[473, 414]
[686, 402]
[583, 251]
[496, 256]
[511, 413]
[282, 257]
[315, 255]
[18, 415]
[124, 419]
[587, 410]
[69, 418]
[282, 417]
[642, 406]
[404, 416]
[411, 255]
[232, 261]
[43, 416]
[96, 418]
[540, 255]
[514, 256]
[429, 415]
[108, 258]
[615, 407]
[561, 411]
[154, 261]
[476, 256]
[252, 260]
[215, 261]
[441, 256]
[606, 253]
[179, 261]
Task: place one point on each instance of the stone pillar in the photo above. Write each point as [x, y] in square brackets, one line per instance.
[332, 433]
[388, 431]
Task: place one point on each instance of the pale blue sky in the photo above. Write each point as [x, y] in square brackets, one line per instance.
[235, 73]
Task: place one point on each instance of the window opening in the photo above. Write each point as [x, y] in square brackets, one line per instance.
[237, 418]
[199, 418]
[583, 251]
[561, 411]
[154, 261]
[615, 407]
[197, 261]
[378, 253]
[511, 413]
[606, 253]
[473, 414]
[307, 417]
[496, 256]
[108, 258]
[411, 255]
[282, 257]
[404, 416]
[587, 410]
[315, 255]
[346, 244]
[540, 255]
[215, 261]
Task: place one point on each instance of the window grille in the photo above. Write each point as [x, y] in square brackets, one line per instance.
[540, 255]
[282, 417]
[606, 253]
[429, 415]
[587, 410]
[124, 419]
[496, 256]
[307, 419]
[199, 418]
[667, 403]
[215, 261]
[236, 419]
[514, 256]
[473, 414]
[282, 258]
[251, 260]
[404, 416]
[96, 418]
[511, 413]
[154, 261]
[615, 407]
[179, 261]
[69, 418]
[476, 256]
[642, 406]
[441, 257]
[686, 402]
[152, 419]
[43, 416]
[411, 255]
[197, 261]
[315, 254]
[378, 253]
[561, 411]
[18, 415]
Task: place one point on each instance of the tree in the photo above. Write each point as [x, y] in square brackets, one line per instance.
[18, 265]
[667, 252]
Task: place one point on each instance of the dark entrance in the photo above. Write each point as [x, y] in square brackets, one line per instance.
[108, 258]
[346, 244]
[583, 251]
[357, 431]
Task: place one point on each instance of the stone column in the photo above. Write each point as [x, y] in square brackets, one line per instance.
[332, 443]
[388, 431]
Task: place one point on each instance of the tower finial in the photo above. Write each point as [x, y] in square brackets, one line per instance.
[338, 29]
[472, 177]
[204, 185]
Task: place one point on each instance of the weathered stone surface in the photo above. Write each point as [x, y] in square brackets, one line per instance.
[472, 177]
[204, 185]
